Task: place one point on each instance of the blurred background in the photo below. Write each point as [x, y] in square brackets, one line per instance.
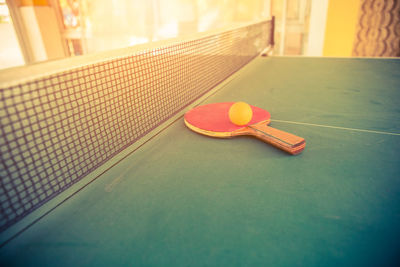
[38, 30]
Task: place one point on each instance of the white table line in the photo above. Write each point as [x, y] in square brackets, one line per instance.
[337, 127]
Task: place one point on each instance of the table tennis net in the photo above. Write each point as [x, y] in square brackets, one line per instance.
[58, 127]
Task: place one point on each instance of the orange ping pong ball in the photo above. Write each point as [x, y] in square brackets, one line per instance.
[240, 113]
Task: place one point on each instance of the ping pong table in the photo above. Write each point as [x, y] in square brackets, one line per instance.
[183, 199]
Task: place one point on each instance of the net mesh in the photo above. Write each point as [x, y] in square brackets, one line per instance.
[57, 128]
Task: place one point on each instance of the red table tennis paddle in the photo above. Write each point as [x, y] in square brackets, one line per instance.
[213, 120]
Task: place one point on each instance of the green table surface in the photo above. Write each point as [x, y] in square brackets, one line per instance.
[183, 199]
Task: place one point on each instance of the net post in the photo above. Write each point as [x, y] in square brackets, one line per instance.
[271, 40]
[272, 36]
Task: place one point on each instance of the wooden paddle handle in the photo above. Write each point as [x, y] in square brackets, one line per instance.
[286, 141]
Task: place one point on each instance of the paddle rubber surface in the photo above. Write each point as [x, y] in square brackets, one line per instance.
[214, 117]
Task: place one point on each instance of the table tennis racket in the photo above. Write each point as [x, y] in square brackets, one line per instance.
[213, 120]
